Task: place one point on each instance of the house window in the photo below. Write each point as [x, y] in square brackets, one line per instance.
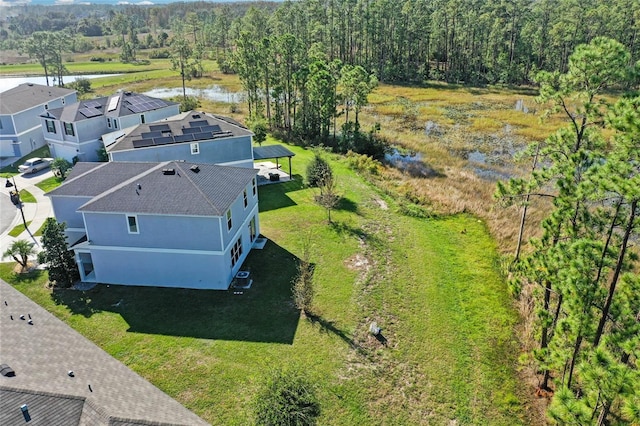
[142, 119]
[62, 101]
[236, 252]
[115, 123]
[229, 223]
[51, 127]
[244, 196]
[68, 129]
[252, 229]
[132, 223]
[46, 106]
[253, 186]
[195, 148]
[108, 122]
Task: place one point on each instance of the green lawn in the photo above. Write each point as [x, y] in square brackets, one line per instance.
[448, 352]
[50, 183]
[18, 229]
[26, 196]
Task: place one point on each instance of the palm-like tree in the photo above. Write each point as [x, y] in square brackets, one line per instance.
[20, 250]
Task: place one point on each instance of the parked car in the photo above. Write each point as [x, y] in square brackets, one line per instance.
[32, 165]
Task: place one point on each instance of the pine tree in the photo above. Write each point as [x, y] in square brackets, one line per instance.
[61, 264]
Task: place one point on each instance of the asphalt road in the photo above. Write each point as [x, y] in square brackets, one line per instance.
[8, 211]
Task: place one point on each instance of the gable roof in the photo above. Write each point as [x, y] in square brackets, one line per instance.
[29, 95]
[187, 127]
[102, 391]
[117, 105]
[127, 187]
[92, 179]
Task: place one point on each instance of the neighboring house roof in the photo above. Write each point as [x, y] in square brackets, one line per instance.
[102, 390]
[92, 179]
[29, 95]
[117, 105]
[171, 188]
[186, 128]
[271, 151]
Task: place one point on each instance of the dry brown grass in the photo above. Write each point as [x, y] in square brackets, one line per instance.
[467, 120]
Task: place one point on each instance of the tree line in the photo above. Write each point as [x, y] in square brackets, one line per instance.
[581, 274]
[467, 41]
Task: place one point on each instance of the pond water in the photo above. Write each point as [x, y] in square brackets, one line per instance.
[7, 83]
[212, 93]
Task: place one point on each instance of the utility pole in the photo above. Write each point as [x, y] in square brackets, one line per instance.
[18, 202]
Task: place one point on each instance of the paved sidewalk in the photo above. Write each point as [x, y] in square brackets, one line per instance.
[36, 213]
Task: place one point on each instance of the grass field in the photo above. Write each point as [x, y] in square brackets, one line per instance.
[432, 285]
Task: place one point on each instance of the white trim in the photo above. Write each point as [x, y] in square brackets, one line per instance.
[137, 224]
[195, 145]
[88, 248]
[231, 163]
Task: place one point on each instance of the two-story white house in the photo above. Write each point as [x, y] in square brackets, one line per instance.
[191, 136]
[20, 110]
[168, 224]
[76, 130]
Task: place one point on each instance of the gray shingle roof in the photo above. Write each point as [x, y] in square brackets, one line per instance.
[93, 179]
[42, 353]
[72, 112]
[208, 192]
[177, 126]
[29, 95]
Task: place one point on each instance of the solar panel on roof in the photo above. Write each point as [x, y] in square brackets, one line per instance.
[141, 143]
[91, 104]
[213, 129]
[183, 138]
[189, 130]
[198, 123]
[113, 103]
[160, 128]
[202, 136]
[163, 141]
[90, 112]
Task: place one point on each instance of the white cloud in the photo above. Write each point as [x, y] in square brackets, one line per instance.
[7, 3]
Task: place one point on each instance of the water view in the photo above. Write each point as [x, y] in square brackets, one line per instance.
[212, 93]
[7, 83]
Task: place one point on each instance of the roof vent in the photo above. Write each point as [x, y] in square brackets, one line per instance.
[7, 371]
[195, 116]
[194, 169]
[168, 171]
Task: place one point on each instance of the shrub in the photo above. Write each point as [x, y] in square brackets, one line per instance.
[160, 54]
[317, 170]
[286, 398]
[60, 167]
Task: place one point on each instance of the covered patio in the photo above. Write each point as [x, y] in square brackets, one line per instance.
[268, 171]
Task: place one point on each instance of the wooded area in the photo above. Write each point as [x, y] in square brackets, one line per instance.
[469, 41]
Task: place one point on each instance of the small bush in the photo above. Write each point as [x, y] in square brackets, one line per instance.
[363, 163]
[96, 59]
[317, 170]
[160, 54]
[286, 398]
